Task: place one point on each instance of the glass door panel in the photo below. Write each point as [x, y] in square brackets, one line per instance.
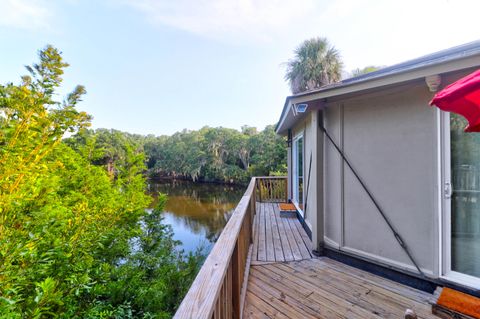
[465, 198]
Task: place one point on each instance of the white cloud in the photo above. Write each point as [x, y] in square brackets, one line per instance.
[226, 19]
[24, 14]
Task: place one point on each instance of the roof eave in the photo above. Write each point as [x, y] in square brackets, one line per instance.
[459, 63]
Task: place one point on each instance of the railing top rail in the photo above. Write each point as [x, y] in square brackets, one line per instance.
[201, 299]
[270, 177]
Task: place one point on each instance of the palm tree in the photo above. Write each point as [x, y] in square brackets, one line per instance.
[316, 63]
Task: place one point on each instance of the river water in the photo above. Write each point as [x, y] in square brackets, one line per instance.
[197, 212]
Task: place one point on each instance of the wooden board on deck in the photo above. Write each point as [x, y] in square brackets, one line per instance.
[278, 239]
[324, 288]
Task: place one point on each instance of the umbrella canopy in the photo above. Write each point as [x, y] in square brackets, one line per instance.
[462, 97]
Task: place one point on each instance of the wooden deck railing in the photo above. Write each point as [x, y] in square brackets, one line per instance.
[272, 189]
[219, 286]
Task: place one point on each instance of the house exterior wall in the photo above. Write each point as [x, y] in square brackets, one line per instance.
[333, 178]
[390, 139]
[313, 214]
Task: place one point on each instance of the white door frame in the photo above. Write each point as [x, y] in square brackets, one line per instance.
[295, 171]
[446, 212]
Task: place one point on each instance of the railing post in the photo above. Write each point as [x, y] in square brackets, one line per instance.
[252, 216]
[259, 185]
[236, 284]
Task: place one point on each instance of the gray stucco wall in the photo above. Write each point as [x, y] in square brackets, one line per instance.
[333, 168]
[390, 138]
[308, 126]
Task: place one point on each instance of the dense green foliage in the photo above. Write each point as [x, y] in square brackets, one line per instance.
[315, 64]
[209, 154]
[75, 240]
[217, 154]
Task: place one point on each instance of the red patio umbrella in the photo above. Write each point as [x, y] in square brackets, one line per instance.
[462, 97]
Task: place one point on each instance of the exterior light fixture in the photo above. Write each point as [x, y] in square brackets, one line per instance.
[301, 108]
[433, 82]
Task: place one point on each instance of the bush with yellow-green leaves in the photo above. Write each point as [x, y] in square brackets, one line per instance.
[67, 225]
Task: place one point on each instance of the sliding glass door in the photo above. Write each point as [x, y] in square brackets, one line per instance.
[297, 169]
[462, 194]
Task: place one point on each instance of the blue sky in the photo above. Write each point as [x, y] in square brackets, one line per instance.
[159, 66]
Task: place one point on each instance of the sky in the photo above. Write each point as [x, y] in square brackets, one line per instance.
[160, 66]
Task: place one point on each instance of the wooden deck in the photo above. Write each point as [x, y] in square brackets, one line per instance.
[286, 281]
[278, 239]
[261, 267]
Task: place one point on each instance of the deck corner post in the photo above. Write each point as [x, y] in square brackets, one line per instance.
[319, 251]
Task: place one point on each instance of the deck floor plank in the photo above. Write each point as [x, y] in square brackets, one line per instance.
[295, 291]
[406, 291]
[278, 239]
[278, 300]
[277, 243]
[305, 289]
[303, 234]
[373, 293]
[269, 234]
[287, 281]
[262, 252]
[252, 303]
[344, 300]
[255, 237]
[304, 251]
[287, 251]
[297, 255]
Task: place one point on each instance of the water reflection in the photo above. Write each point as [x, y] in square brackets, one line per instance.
[197, 212]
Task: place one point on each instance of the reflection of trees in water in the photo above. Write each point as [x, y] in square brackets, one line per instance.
[200, 192]
[211, 227]
[202, 208]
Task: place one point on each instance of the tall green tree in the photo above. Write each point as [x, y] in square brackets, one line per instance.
[217, 154]
[315, 64]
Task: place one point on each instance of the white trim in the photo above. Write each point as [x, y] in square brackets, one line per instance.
[447, 204]
[295, 194]
[386, 261]
[285, 114]
[330, 242]
[439, 224]
[298, 207]
[462, 279]
[341, 135]
[308, 224]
